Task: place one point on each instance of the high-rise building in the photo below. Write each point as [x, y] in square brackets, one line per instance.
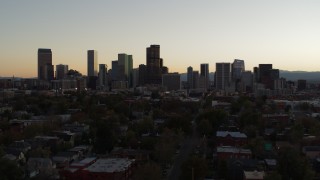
[190, 77]
[142, 74]
[103, 81]
[135, 77]
[204, 76]
[45, 67]
[153, 65]
[61, 71]
[171, 81]
[246, 81]
[222, 76]
[264, 71]
[92, 63]
[302, 84]
[268, 75]
[115, 71]
[125, 65]
[237, 69]
[195, 79]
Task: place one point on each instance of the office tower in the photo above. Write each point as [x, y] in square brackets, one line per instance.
[222, 75]
[302, 84]
[190, 77]
[103, 81]
[171, 81]
[264, 71]
[256, 77]
[280, 84]
[204, 70]
[135, 77]
[130, 70]
[268, 75]
[115, 71]
[92, 57]
[247, 81]
[153, 65]
[61, 71]
[142, 74]
[92, 63]
[125, 65]
[195, 79]
[204, 76]
[237, 69]
[45, 67]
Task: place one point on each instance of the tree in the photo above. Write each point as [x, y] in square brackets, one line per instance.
[10, 170]
[272, 176]
[293, 166]
[150, 170]
[194, 166]
[40, 153]
[223, 169]
[165, 147]
[205, 127]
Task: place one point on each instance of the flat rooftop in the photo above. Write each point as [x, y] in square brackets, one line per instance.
[110, 165]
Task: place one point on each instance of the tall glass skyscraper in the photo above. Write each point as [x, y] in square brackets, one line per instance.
[92, 63]
[222, 75]
[45, 67]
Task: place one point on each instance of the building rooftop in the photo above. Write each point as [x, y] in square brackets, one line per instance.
[110, 165]
[43, 50]
[232, 134]
[254, 174]
[231, 149]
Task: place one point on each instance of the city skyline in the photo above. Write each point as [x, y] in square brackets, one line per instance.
[190, 33]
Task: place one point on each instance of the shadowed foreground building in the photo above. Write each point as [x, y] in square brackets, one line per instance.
[171, 81]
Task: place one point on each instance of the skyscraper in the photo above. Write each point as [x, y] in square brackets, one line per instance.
[115, 71]
[268, 75]
[153, 65]
[204, 76]
[190, 77]
[103, 81]
[61, 71]
[45, 67]
[171, 81]
[237, 69]
[92, 63]
[222, 75]
[92, 69]
[125, 65]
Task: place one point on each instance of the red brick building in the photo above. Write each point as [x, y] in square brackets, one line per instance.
[226, 138]
[107, 169]
[229, 152]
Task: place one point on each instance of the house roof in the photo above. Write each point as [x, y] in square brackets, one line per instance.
[231, 149]
[232, 134]
[254, 174]
[110, 165]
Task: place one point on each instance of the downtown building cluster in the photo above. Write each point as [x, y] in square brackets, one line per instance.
[227, 79]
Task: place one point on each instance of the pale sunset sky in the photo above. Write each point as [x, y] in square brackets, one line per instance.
[285, 33]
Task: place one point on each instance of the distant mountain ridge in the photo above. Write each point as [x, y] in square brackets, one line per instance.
[289, 75]
[295, 75]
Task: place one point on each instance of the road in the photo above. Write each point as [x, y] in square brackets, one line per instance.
[186, 149]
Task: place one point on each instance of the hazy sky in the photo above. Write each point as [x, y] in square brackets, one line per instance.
[285, 33]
